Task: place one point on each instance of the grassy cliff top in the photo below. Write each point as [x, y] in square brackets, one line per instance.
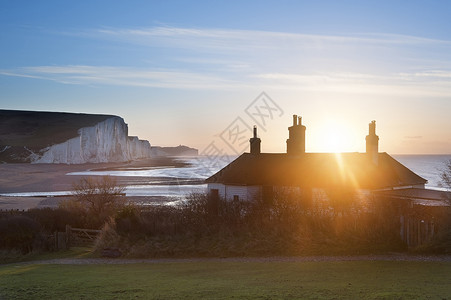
[38, 129]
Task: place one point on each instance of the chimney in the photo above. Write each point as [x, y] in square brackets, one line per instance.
[296, 137]
[372, 143]
[255, 142]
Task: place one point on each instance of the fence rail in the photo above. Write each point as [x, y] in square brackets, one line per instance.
[80, 236]
[74, 237]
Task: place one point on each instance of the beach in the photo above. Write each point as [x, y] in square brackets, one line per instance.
[45, 185]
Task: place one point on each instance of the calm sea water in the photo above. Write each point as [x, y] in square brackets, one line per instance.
[427, 166]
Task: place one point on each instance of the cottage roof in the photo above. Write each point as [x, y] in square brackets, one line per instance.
[424, 197]
[319, 170]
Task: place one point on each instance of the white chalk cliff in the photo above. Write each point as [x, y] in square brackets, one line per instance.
[107, 141]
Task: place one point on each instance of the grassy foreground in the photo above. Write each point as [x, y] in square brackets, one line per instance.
[225, 280]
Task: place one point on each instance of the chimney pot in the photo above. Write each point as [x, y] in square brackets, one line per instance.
[296, 137]
[255, 142]
[372, 143]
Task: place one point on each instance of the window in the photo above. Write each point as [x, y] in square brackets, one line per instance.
[236, 198]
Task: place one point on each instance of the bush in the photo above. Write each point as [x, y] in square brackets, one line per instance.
[128, 222]
[201, 226]
[52, 220]
[109, 238]
[20, 233]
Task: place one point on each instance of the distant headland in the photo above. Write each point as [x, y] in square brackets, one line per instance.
[180, 150]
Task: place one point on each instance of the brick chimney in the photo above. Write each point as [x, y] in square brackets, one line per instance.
[296, 137]
[255, 143]
[372, 143]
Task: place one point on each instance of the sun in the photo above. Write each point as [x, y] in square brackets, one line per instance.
[335, 137]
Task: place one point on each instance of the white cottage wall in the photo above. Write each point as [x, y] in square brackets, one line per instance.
[228, 192]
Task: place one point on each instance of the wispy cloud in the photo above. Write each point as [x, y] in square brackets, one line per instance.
[405, 84]
[285, 52]
[271, 51]
[239, 39]
[434, 74]
[205, 58]
[357, 83]
[123, 76]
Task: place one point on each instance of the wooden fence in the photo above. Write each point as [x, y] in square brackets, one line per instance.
[75, 237]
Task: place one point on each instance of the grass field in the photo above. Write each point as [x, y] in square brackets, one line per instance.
[226, 280]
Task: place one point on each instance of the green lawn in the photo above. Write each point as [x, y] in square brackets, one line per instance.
[226, 280]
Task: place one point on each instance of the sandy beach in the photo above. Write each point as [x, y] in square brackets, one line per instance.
[26, 178]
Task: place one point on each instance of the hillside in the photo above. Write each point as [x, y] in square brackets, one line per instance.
[55, 137]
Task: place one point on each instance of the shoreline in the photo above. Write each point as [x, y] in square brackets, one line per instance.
[18, 203]
[48, 178]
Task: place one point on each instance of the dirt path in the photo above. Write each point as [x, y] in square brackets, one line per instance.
[391, 257]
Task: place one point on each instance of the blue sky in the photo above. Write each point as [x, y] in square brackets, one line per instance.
[182, 72]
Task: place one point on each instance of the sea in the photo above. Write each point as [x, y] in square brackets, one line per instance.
[179, 180]
[427, 166]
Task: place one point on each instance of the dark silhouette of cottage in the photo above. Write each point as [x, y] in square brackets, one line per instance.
[371, 174]
[246, 176]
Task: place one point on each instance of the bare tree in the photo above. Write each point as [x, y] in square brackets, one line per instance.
[97, 199]
[445, 176]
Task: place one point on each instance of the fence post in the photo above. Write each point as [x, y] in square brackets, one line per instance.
[68, 236]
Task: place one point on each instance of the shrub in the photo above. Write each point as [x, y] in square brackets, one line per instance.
[109, 238]
[96, 200]
[52, 220]
[282, 225]
[19, 232]
[128, 222]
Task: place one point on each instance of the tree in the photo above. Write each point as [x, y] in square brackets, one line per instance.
[97, 199]
[445, 176]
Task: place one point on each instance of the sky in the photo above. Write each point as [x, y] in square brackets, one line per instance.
[203, 73]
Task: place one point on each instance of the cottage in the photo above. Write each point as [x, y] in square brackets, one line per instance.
[372, 174]
[255, 174]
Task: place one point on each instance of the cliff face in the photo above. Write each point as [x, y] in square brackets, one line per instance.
[107, 141]
[138, 148]
[104, 141]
